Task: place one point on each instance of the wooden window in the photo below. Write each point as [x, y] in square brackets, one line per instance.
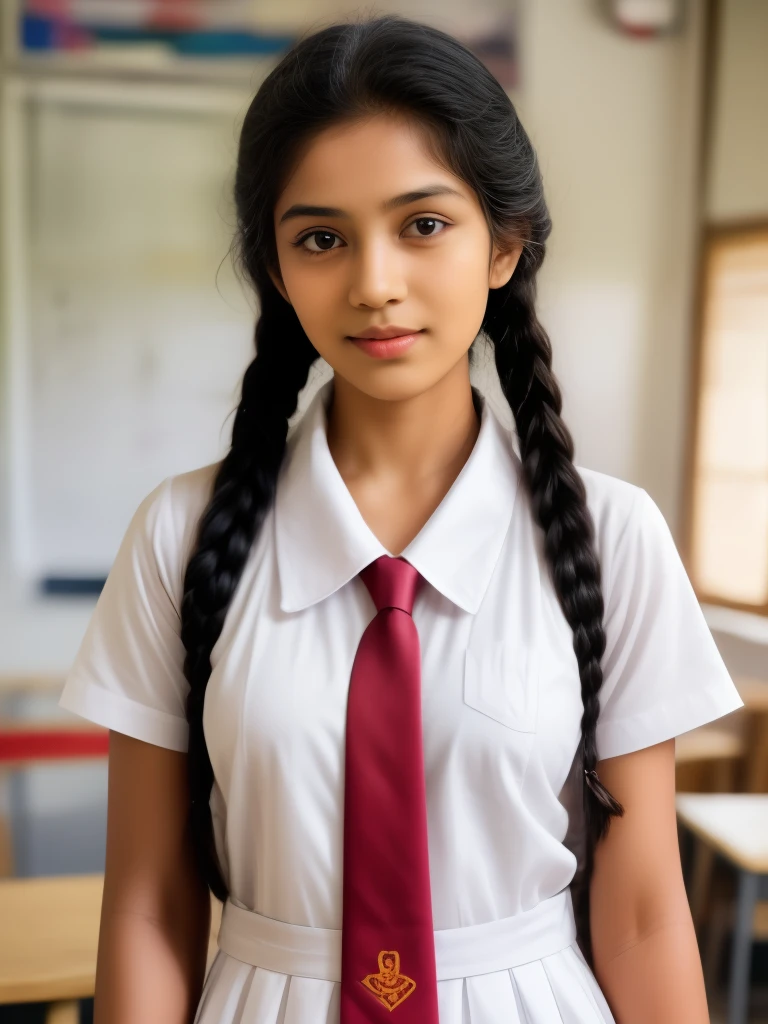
[728, 524]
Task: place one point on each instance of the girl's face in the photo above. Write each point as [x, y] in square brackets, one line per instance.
[371, 232]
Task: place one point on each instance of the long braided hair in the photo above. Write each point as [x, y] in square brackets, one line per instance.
[341, 73]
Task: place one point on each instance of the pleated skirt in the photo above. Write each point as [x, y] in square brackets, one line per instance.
[526, 969]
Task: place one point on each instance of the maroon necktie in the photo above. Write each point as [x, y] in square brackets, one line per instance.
[387, 939]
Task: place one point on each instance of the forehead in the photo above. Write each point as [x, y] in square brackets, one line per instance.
[358, 165]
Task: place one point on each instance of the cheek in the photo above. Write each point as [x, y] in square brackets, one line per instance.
[319, 303]
[314, 298]
[465, 272]
[455, 289]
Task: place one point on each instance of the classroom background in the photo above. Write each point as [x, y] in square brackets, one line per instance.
[124, 332]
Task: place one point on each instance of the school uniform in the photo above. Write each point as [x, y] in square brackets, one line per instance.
[501, 709]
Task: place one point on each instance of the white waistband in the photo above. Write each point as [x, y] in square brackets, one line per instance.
[459, 952]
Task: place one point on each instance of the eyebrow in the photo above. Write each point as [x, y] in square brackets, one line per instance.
[302, 210]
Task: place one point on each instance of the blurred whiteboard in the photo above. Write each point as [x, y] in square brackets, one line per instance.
[138, 331]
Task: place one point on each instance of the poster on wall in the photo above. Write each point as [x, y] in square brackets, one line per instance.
[221, 30]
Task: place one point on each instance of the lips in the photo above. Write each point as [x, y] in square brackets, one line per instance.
[388, 347]
[384, 333]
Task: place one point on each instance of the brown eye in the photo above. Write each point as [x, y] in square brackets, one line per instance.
[322, 239]
[428, 226]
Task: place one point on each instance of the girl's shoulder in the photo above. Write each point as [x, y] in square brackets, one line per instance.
[662, 672]
[164, 525]
[631, 532]
[612, 501]
[178, 499]
[128, 673]
[187, 494]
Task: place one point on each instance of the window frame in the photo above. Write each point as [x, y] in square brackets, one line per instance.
[711, 235]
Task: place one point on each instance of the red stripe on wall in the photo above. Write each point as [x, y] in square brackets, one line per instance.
[40, 745]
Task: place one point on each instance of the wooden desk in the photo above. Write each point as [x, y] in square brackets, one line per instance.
[49, 937]
[734, 825]
[49, 940]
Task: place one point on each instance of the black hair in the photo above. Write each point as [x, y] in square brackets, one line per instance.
[345, 72]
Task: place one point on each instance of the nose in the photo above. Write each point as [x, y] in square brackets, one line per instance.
[377, 274]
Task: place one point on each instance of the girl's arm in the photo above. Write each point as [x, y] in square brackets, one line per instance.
[155, 915]
[645, 953]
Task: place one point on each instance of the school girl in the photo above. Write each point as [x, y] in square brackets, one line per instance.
[400, 667]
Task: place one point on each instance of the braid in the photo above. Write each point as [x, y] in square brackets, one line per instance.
[523, 356]
[243, 491]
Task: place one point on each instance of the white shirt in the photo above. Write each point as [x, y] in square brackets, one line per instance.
[501, 694]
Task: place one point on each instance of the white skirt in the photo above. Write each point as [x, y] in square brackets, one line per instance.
[526, 969]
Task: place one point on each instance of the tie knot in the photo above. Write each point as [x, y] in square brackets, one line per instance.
[391, 582]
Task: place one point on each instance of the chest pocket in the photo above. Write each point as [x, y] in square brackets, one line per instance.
[502, 681]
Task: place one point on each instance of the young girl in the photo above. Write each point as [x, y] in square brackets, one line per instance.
[268, 619]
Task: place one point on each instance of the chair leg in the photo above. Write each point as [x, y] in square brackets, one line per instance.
[64, 1013]
[719, 921]
[738, 997]
[701, 883]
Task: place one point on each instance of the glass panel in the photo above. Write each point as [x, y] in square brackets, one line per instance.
[730, 531]
[730, 544]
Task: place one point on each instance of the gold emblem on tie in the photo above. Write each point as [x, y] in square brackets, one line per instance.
[389, 986]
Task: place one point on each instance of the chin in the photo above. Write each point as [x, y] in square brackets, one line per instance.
[393, 383]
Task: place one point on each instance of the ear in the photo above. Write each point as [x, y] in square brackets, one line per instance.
[277, 281]
[503, 264]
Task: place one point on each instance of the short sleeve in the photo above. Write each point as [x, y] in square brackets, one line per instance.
[662, 672]
[128, 672]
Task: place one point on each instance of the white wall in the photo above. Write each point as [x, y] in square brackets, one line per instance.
[738, 185]
[614, 120]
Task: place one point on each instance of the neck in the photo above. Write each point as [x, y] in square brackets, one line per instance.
[411, 440]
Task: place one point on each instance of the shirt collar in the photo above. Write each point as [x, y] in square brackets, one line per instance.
[322, 540]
